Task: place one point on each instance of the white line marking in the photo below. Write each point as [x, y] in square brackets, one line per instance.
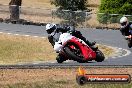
[9, 33]
[128, 52]
[24, 35]
[27, 35]
[16, 34]
[120, 48]
[35, 63]
[43, 37]
[36, 36]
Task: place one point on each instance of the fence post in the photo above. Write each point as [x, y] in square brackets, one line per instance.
[14, 12]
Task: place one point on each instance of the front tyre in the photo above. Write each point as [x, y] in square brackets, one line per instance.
[73, 56]
[59, 59]
[99, 56]
[129, 43]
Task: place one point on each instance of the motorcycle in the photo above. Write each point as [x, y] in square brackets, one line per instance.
[72, 48]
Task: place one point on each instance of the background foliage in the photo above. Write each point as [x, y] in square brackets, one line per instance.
[113, 10]
[116, 6]
[70, 4]
[71, 17]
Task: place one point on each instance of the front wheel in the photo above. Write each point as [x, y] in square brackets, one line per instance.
[129, 43]
[99, 56]
[73, 56]
[60, 59]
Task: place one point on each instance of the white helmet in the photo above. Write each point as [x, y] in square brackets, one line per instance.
[124, 21]
[50, 26]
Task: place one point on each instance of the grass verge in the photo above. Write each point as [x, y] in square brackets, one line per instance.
[14, 49]
[55, 78]
[20, 49]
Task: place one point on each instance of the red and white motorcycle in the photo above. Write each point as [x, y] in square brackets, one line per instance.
[72, 48]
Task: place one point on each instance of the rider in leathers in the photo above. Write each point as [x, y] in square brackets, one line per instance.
[126, 27]
[54, 33]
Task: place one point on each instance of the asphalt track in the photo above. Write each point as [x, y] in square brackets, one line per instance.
[108, 37]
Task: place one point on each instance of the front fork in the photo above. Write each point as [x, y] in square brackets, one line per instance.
[62, 54]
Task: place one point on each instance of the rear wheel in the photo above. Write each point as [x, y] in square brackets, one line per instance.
[99, 56]
[74, 54]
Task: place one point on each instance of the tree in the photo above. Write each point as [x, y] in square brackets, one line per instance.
[71, 17]
[14, 9]
[116, 6]
[70, 4]
[113, 10]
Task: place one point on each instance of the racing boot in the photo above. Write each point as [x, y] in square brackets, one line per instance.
[92, 45]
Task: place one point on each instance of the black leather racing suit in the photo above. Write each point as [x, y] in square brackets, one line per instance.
[54, 36]
[126, 31]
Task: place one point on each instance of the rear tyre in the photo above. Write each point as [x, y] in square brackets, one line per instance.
[99, 56]
[73, 56]
[81, 80]
[59, 59]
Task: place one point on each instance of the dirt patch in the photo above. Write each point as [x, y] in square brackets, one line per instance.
[45, 8]
[32, 3]
[13, 76]
[43, 3]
